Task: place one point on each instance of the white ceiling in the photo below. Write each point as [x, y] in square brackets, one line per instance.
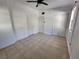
[51, 4]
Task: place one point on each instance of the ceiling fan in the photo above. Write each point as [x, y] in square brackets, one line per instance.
[38, 2]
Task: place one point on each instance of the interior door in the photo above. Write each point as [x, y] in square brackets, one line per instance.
[41, 23]
[32, 21]
[72, 23]
[48, 23]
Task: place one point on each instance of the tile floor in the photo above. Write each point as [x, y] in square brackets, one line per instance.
[38, 46]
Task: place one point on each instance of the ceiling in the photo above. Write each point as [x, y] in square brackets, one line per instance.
[52, 4]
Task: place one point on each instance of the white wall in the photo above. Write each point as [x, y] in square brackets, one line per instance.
[22, 21]
[17, 21]
[25, 19]
[7, 36]
[54, 22]
[70, 31]
[75, 41]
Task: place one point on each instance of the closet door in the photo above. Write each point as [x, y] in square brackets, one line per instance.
[41, 23]
[7, 36]
[33, 22]
[48, 23]
[30, 24]
[19, 19]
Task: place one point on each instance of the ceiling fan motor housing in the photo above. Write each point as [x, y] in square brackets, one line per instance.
[43, 13]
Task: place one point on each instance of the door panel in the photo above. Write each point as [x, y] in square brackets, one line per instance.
[72, 23]
[7, 36]
[41, 23]
[33, 22]
[48, 25]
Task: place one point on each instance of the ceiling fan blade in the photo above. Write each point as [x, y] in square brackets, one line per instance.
[31, 1]
[44, 3]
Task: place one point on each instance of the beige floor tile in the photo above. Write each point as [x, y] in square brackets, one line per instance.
[38, 46]
[11, 51]
[3, 55]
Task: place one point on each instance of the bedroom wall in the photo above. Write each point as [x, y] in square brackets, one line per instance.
[17, 21]
[75, 41]
[25, 19]
[54, 22]
[71, 27]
